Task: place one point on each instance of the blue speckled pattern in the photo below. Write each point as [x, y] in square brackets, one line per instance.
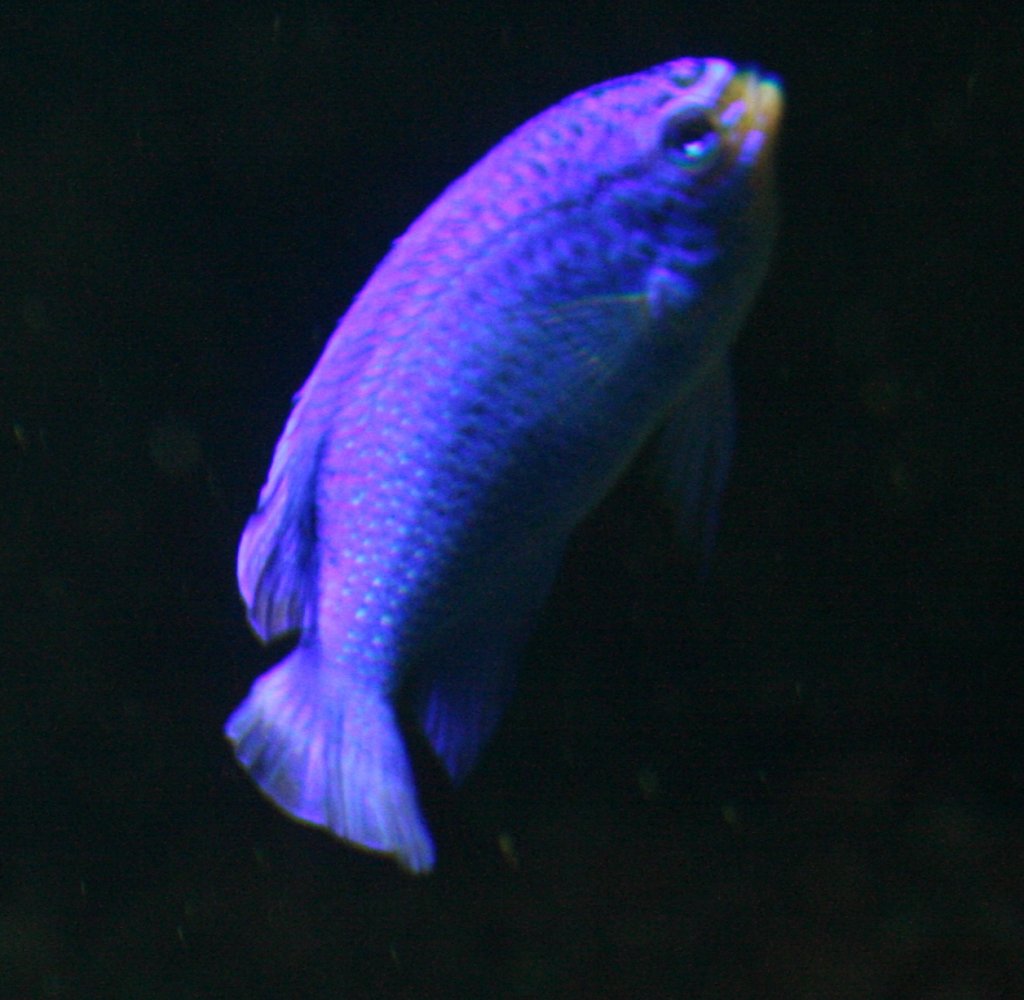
[572, 295]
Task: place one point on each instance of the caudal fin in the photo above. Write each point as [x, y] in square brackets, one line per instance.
[335, 761]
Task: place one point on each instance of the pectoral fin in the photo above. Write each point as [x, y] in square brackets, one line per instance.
[693, 455]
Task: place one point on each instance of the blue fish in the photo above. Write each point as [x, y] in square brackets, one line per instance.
[568, 300]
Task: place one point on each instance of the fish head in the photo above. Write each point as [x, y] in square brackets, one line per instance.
[659, 184]
[689, 185]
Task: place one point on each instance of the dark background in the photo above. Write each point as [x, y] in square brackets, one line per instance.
[804, 781]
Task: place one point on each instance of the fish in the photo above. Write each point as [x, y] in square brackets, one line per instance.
[567, 303]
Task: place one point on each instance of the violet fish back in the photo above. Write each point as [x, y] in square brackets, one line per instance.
[569, 299]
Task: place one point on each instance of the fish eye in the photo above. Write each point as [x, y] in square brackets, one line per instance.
[691, 139]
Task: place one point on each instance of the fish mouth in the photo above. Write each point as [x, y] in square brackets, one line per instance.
[750, 111]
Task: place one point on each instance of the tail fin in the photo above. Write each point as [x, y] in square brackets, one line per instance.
[333, 760]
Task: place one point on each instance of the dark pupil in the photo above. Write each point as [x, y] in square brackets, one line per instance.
[688, 135]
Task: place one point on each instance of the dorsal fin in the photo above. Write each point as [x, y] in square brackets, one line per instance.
[278, 551]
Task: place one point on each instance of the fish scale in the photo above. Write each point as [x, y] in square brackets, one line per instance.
[567, 301]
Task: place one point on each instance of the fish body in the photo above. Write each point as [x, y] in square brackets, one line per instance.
[569, 298]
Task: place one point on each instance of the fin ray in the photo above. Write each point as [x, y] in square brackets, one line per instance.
[693, 456]
[277, 556]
